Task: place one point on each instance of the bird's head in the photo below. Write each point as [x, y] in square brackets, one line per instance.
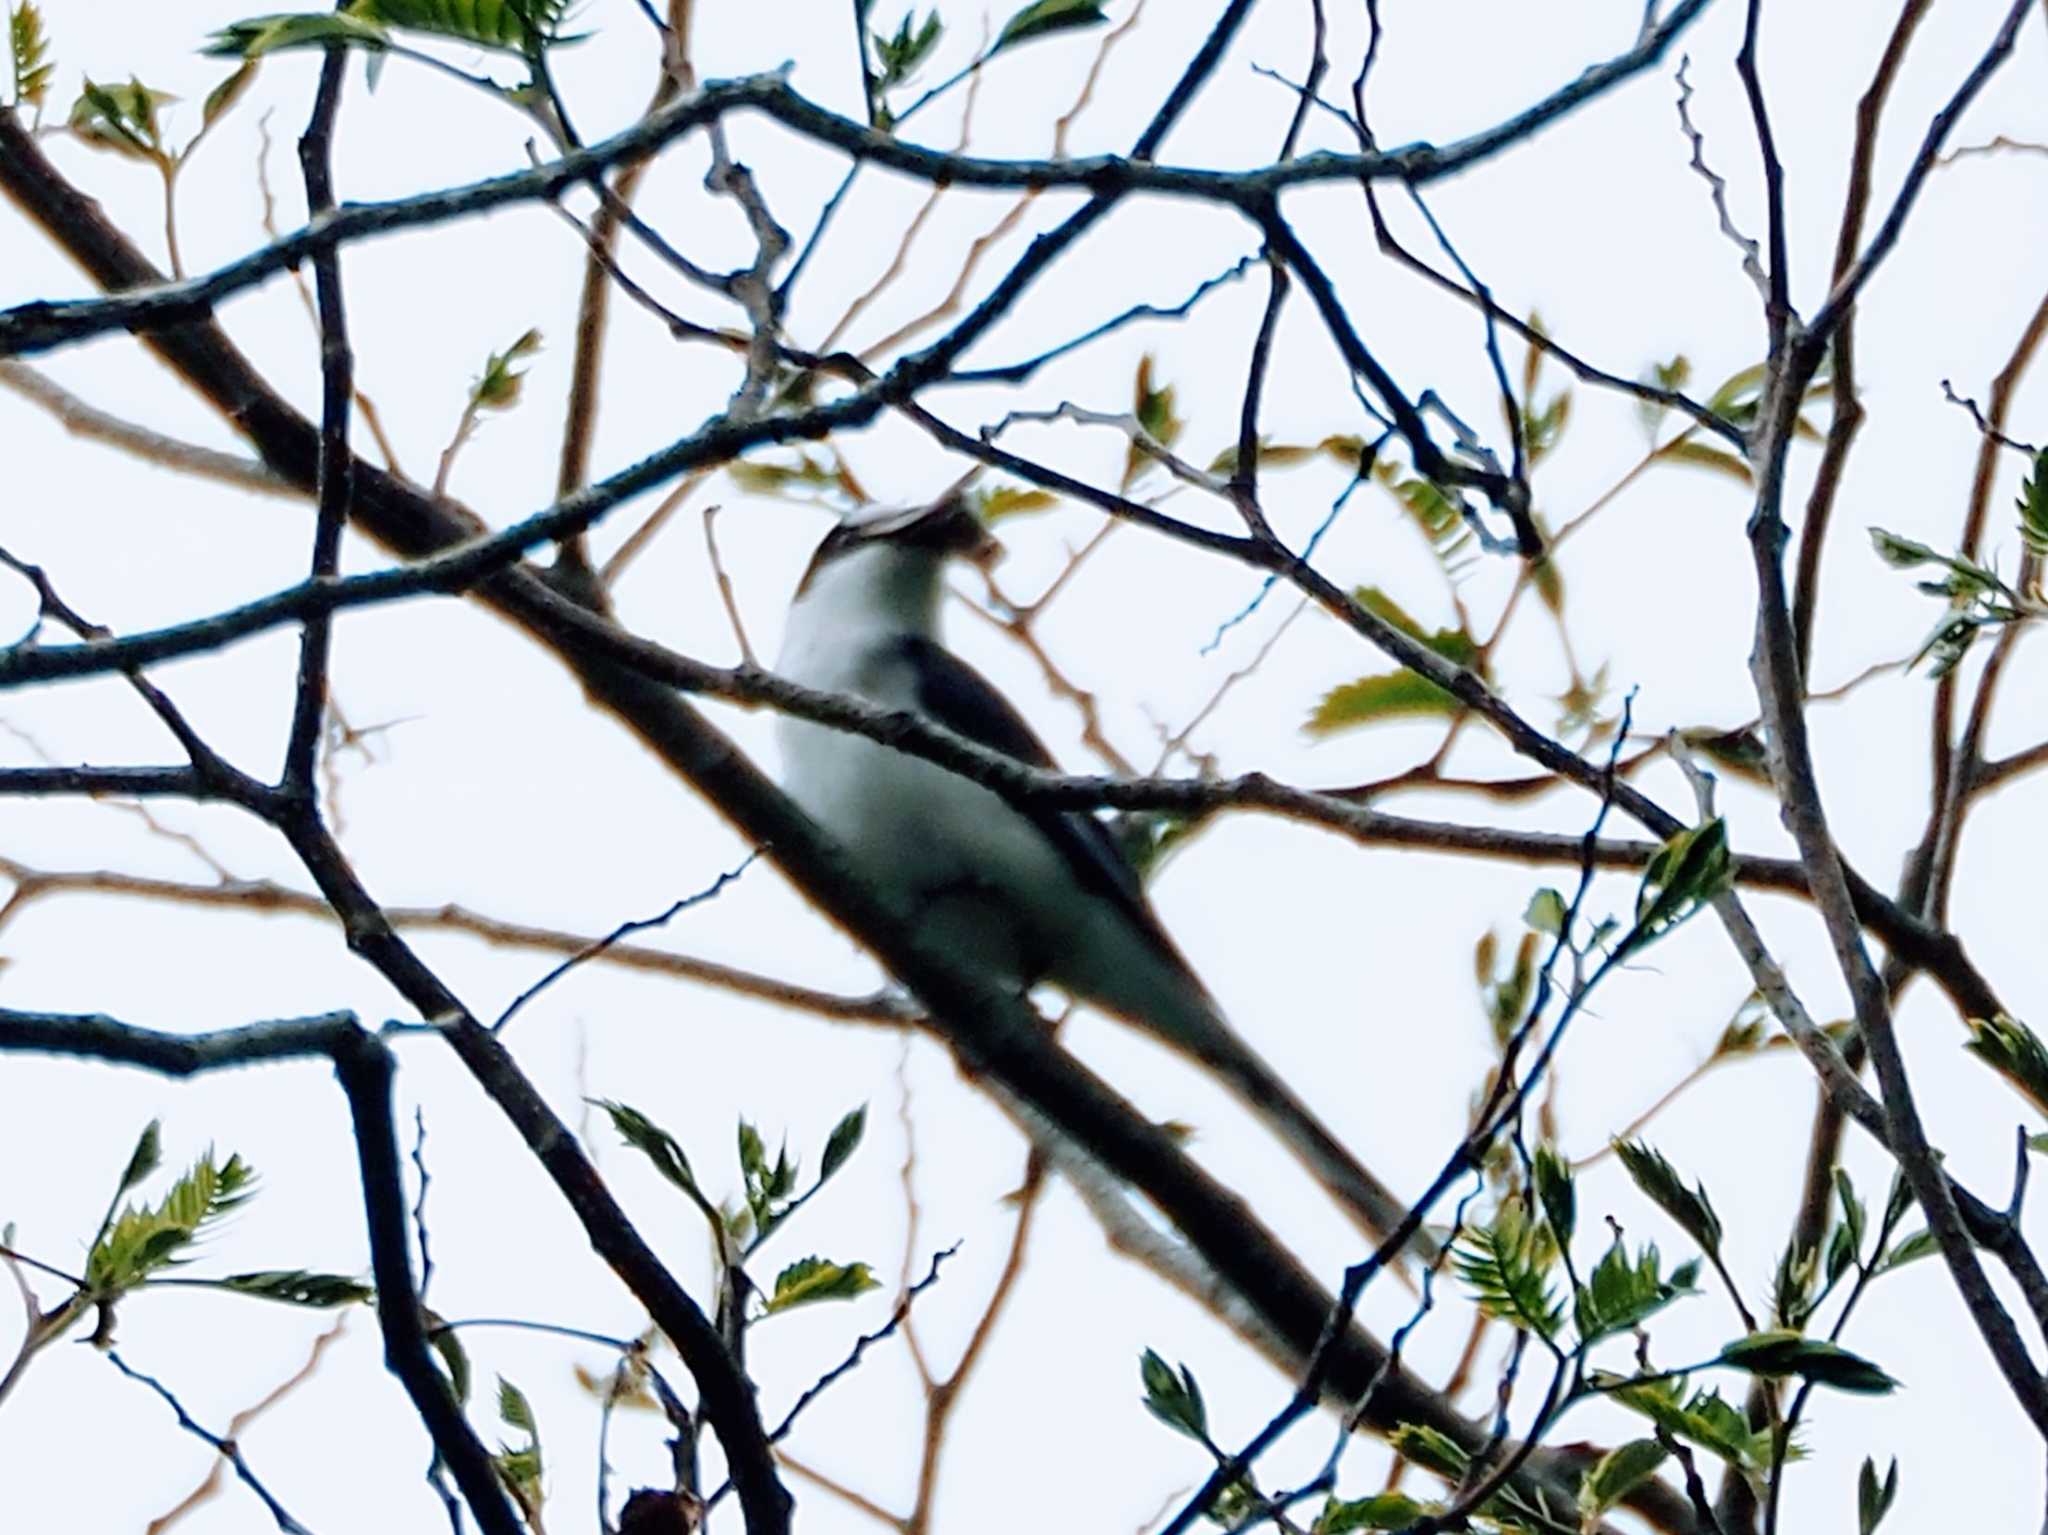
[885, 567]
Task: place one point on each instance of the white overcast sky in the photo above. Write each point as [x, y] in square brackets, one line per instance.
[1351, 968]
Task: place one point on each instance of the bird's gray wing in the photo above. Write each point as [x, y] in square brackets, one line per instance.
[955, 695]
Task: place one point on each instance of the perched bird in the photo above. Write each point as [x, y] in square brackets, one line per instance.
[1021, 895]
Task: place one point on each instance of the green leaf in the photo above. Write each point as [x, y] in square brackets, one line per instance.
[145, 1159]
[1874, 1500]
[1855, 1219]
[1703, 1419]
[1556, 1192]
[1619, 1296]
[1371, 700]
[1783, 1352]
[1381, 1511]
[1429, 1449]
[840, 1144]
[2033, 504]
[1684, 874]
[816, 1279]
[448, 1344]
[2015, 1052]
[1152, 405]
[30, 47]
[1506, 1266]
[1437, 516]
[1174, 1400]
[1004, 501]
[223, 96]
[901, 56]
[1546, 912]
[1616, 1474]
[1542, 430]
[256, 36]
[1701, 455]
[142, 1239]
[514, 1411]
[1047, 16]
[651, 1141]
[1659, 1180]
[297, 1287]
[122, 118]
[498, 386]
[519, 26]
[1903, 553]
[1908, 1249]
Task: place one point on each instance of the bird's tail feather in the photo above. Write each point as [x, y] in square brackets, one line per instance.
[1376, 1209]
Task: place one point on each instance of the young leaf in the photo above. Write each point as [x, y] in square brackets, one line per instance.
[840, 1144]
[1660, 1181]
[1908, 1249]
[1683, 875]
[1003, 501]
[1381, 1511]
[142, 1239]
[498, 386]
[899, 57]
[1507, 1269]
[444, 1341]
[145, 1159]
[1046, 16]
[520, 1466]
[1703, 1419]
[296, 1287]
[1429, 1448]
[1152, 405]
[1704, 456]
[651, 1141]
[2033, 506]
[1174, 1400]
[1616, 1474]
[816, 1279]
[2015, 1052]
[1556, 1192]
[1784, 1352]
[1546, 912]
[1619, 1296]
[1381, 696]
[29, 46]
[224, 95]
[256, 36]
[1874, 1500]
[122, 118]
[514, 1411]
[519, 26]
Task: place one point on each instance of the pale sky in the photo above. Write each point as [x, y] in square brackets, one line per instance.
[1351, 968]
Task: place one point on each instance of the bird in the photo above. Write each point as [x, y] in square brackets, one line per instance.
[1021, 895]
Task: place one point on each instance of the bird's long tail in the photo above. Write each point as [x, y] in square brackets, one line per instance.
[1376, 1209]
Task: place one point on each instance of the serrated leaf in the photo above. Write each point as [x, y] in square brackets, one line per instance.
[518, 26]
[297, 1287]
[142, 1239]
[1507, 1270]
[2033, 505]
[1372, 700]
[1618, 1473]
[1047, 16]
[1381, 1511]
[29, 47]
[1661, 1182]
[840, 1144]
[1874, 1499]
[1436, 515]
[818, 1279]
[651, 1141]
[1619, 1296]
[1704, 1419]
[1782, 1352]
